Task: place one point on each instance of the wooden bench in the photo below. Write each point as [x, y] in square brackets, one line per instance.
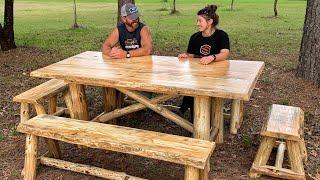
[193, 153]
[285, 123]
[36, 97]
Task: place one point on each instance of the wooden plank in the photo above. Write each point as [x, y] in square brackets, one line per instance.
[284, 122]
[276, 172]
[176, 149]
[36, 94]
[104, 117]
[61, 111]
[159, 109]
[86, 169]
[234, 79]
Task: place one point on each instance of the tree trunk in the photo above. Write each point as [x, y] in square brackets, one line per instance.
[174, 10]
[120, 4]
[231, 7]
[75, 24]
[6, 31]
[309, 59]
[275, 8]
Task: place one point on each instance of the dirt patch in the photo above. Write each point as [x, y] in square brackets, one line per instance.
[231, 160]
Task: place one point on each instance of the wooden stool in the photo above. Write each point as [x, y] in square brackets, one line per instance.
[285, 123]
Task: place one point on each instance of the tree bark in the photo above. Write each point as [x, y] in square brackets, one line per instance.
[120, 4]
[6, 31]
[275, 8]
[309, 59]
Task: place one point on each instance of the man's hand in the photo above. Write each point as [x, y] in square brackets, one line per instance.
[206, 60]
[183, 55]
[117, 53]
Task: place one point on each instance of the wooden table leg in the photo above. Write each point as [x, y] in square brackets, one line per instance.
[236, 115]
[217, 120]
[112, 100]
[79, 103]
[191, 173]
[202, 111]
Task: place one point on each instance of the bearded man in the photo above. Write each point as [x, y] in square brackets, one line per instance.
[133, 36]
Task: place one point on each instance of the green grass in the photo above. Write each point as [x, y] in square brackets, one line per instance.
[253, 32]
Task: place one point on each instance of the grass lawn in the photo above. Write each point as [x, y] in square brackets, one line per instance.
[253, 31]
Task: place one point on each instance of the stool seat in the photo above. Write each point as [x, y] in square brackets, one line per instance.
[285, 122]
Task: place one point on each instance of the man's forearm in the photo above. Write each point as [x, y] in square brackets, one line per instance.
[106, 50]
[140, 52]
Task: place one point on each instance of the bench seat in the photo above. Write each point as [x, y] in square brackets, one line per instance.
[176, 149]
[38, 93]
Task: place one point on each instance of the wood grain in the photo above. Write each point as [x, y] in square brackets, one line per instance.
[234, 79]
[46, 89]
[284, 122]
[176, 149]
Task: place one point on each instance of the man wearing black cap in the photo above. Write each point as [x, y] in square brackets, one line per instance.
[133, 36]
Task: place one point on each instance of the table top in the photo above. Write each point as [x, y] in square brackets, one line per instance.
[234, 79]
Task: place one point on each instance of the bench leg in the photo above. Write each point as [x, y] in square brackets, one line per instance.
[236, 115]
[217, 119]
[295, 157]
[53, 145]
[30, 162]
[202, 112]
[191, 173]
[262, 155]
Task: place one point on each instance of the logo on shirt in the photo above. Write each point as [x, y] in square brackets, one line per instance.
[205, 49]
[131, 44]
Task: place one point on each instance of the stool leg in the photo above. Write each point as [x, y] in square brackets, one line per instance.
[295, 157]
[30, 162]
[191, 173]
[262, 155]
[303, 150]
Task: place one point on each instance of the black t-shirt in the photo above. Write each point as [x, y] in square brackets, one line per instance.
[205, 46]
[129, 40]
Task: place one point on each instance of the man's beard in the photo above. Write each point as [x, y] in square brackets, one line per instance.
[133, 25]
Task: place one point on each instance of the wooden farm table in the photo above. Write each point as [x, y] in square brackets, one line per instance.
[167, 76]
